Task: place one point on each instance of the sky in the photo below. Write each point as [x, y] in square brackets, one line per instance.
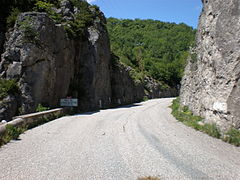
[178, 11]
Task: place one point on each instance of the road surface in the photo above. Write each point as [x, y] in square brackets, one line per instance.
[119, 144]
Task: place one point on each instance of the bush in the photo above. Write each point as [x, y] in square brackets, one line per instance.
[212, 130]
[30, 33]
[82, 19]
[233, 137]
[41, 108]
[7, 87]
[42, 6]
[11, 133]
[137, 76]
[145, 98]
[11, 19]
[193, 57]
[184, 115]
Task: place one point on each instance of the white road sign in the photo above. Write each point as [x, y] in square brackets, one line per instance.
[69, 102]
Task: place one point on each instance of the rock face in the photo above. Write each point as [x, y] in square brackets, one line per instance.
[211, 85]
[124, 89]
[40, 58]
[48, 66]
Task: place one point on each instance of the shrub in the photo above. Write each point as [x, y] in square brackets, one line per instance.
[212, 130]
[186, 116]
[145, 98]
[193, 57]
[30, 33]
[137, 76]
[11, 133]
[41, 108]
[82, 19]
[42, 6]
[11, 19]
[7, 87]
[233, 137]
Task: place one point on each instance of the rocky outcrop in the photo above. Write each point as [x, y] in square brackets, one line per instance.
[124, 89]
[211, 85]
[39, 56]
[49, 65]
[9, 107]
[155, 89]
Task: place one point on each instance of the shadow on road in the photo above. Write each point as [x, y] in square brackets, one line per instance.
[120, 107]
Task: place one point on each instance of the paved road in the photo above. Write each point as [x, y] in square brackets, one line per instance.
[119, 144]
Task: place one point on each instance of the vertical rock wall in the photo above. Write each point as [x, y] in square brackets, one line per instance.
[48, 66]
[40, 57]
[211, 85]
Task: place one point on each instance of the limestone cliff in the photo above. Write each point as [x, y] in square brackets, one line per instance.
[211, 85]
[49, 65]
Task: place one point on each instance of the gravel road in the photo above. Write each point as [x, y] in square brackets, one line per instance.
[119, 144]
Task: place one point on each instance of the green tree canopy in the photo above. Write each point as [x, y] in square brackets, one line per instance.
[156, 48]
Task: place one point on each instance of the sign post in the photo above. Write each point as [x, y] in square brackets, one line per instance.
[69, 102]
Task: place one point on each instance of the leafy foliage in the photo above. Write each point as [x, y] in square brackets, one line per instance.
[156, 48]
[83, 18]
[233, 137]
[7, 87]
[9, 10]
[184, 115]
[11, 133]
[13, 17]
[41, 108]
[42, 6]
[30, 34]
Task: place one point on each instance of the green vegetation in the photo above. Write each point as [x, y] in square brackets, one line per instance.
[137, 76]
[10, 9]
[7, 87]
[183, 114]
[11, 133]
[83, 18]
[233, 137]
[43, 6]
[193, 57]
[41, 108]
[12, 17]
[30, 34]
[145, 98]
[151, 47]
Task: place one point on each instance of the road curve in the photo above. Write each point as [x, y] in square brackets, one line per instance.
[119, 144]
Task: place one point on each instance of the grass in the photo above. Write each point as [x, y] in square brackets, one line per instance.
[41, 108]
[232, 137]
[183, 114]
[11, 133]
[7, 87]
